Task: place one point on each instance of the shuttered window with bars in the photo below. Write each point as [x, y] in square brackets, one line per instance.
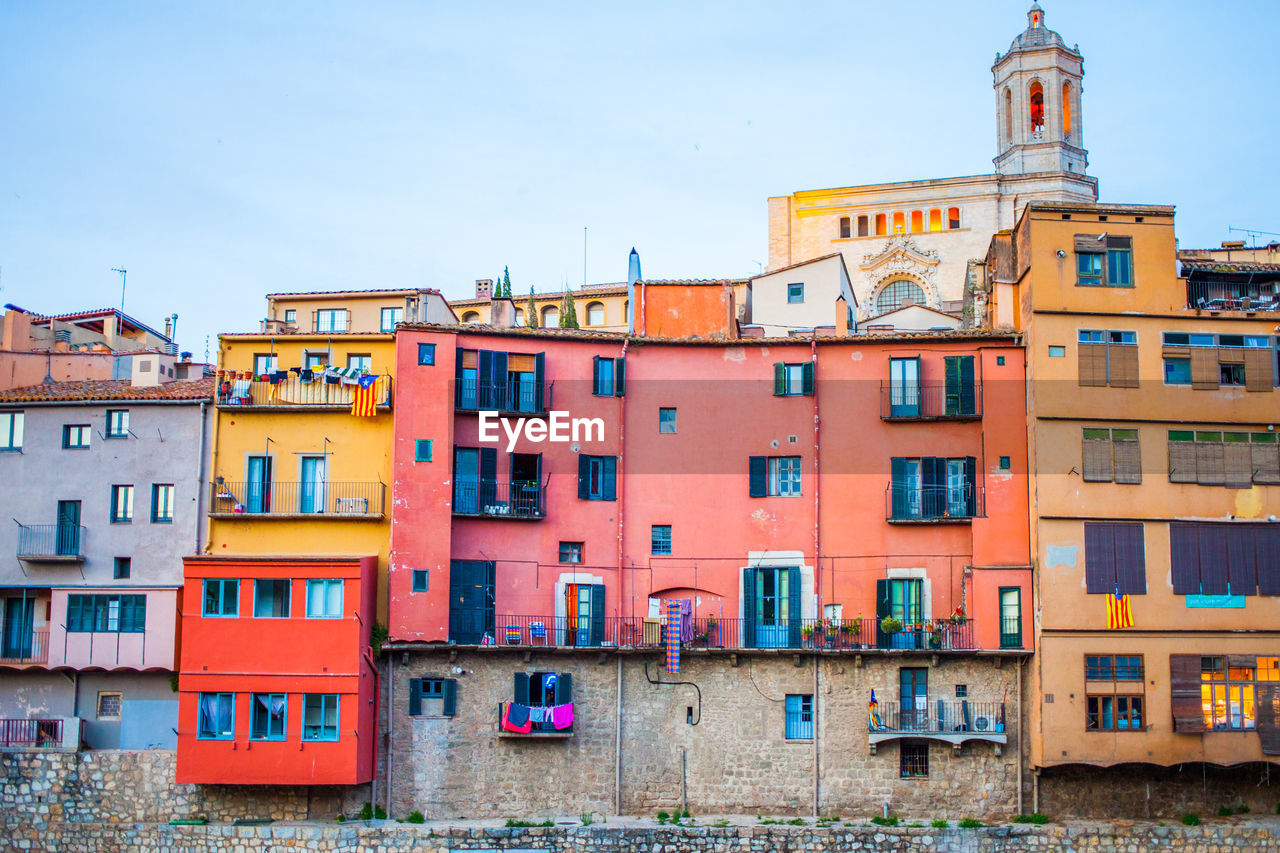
[1224, 558]
[1112, 455]
[1207, 361]
[1236, 460]
[1114, 558]
[1104, 260]
[1108, 358]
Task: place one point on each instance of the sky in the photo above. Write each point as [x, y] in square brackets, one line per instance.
[222, 151]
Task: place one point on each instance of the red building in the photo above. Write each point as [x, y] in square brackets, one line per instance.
[278, 682]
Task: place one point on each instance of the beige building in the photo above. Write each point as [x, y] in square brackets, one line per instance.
[602, 307]
[909, 242]
[355, 311]
[800, 297]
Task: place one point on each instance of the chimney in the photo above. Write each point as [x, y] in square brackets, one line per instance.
[168, 328]
[61, 340]
[633, 277]
[502, 313]
[842, 316]
[484, 288]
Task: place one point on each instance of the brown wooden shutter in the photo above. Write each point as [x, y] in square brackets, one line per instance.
[1090, 243]
[1259, 375]
[1210, 467]
[1204, 368]
[1230, 355]
[1242, 565]
[1182, 462]
[1093, 364]
[1128, 460]
[1184, 693]
[1237, 465]
[1267, 698]
[1265, 459]
[1123, 365]
[1175, 352]
[1267, 552]
[1097, 460]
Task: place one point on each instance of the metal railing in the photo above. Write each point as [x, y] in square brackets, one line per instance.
[934, 401]
[908, 502]
[293, 393]
[30, 733]
[24, 646]
[539, 721]
[498, 500]
[53, 542]
[1233, 296]
[332, 499]
[519, 397]
[939, 716]
[713, 632]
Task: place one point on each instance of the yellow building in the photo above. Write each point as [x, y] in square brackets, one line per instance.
[338, 311]
[1153, 410]
[602, 307]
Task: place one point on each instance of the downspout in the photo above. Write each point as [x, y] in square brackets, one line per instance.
[391, 721]
[377, 700]
[201, 518]
[621, 484]
[1021, 749]
[817, 571]
[617, 746]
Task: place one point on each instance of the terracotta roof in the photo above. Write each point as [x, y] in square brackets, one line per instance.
[369, 291]
[799, 264]
[319, 336]
[89, 391]
[614, 289]
[40, 319]
[1211, 265]
[693, 282]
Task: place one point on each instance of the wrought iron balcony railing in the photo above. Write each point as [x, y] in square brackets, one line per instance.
[499, 500]
[335, 499]
[930, 401]
[939, 504]
[51, 543]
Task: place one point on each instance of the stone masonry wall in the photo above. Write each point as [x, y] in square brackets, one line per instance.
[1144, 791]
[734, 759]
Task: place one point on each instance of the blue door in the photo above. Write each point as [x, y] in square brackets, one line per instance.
[773, 608]
[19, 619]
[466, 480]
[258, 488]
[904, 387]
[914, 684]
[67, 535]
[311, 491]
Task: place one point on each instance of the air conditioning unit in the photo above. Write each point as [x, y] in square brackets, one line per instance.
[351, 506]
[987, 723]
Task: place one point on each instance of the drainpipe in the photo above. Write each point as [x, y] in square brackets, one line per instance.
[391, 721]
[1021, 751]
[201, 518]
[622, 443]
[377, 699]
[213, 471]
[617, 746]
[817, 570]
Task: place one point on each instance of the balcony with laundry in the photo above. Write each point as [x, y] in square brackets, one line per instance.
[311, 499]
[478, 492]
[304, 389]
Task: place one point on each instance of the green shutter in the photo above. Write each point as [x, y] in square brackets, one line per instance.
[793, 607]
[779, 380]
[564, 688]
[539, 370]
[597, 614]
[806, 378]
[758, 486]
[609, 476]
[971, 485]
[619, 377]
[584, 476]
[882, 611]
[749, 608]
[520, 694]
[415, 697]
[595, 376]
[450, 697]
[898, 486]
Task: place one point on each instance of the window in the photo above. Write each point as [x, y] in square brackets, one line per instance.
[216, 717]
[537, 690]
[264, 364]
[913, 759]
[1114, 713]
[774, 476]
[1066, 114]
[1004, 463]
[799, 711]
[917, 221]
[1177, 371]
[1104, 260]
[267, 716]
[1008, 116]
[519, 320]
[221, 597]
[312, 360]
[422, 450]
[1010, 617]
[1115, 558]
[1035, 103]
[110, 705]
[324, 598]
[660, 540]
[363, 363]
[595, 313]
[961, 393]
[899, 293]
[291, 315]
[162, 503]
[903, 599]
[962, 691]
[1056, 351]
[76, 436]
[117, 423]
[388, 319]
[882, 225]
[844, 226]
[1230, 374]
[1113, 668]
[608, 376]
[271, 598]
[953, 218]
[550, 317]
[434, 697]
[331, 320]
[792, 380]
[597, 478]
[1224, 558]
[571, 552]
[419, 580]
[122, 568]
[1235, 460]
[121, 504]
[1227, 694]
[471, 317]
[935, 219]
[1108, 358]
[11, 430]
[666, 420]
[795, 292]
[862, 226]
[426, 354]
[1112, 455]
[106, 614]
[320, 716]
[932, 487]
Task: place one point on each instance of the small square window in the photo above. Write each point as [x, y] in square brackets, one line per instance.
[117, 423]
[110, 705]
[1057, 351]
[123, 565]
[363, 363]
[571, 552]
[426, 353]
[913, 760]
[1004, 463]
[962, 691]
[799, 716]
[291, 315]
[1000, 361]
[795, 292]
[666, 420]
[422, 450]
[76, 436]
[324, 598]
[419, 580]
[661, 539]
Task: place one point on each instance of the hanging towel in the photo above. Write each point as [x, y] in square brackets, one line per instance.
[562, 716]
[307, 375]
[241, 388]
[686, 620]
[517, 718]
[280, 376]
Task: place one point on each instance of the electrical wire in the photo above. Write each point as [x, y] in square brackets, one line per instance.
[673, 684]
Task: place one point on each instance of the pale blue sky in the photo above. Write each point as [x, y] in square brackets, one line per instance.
[223, 151]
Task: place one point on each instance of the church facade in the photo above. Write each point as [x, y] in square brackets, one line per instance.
[909, 242]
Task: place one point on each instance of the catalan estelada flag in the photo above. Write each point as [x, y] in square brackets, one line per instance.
[365, 401]
[1118, 613]
[673, 637]
[873, 718]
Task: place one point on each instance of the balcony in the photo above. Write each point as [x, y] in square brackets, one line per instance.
[293, 394]
[22, 647]
[540, 724]
[1221, 295]
[483, 499]
[61, 733]
[930, 401]
[907, 503]
[522, 397]
[310, 501]
[51, 543]
[952, 721]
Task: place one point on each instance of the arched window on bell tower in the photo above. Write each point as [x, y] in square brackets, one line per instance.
[1035, 100]
[1066, 111]
[1008, 116]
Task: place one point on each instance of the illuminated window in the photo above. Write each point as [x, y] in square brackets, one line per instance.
[1066, 110]
[898, 293]
[935, 219]
[882, 225]
[917, 221]
[953, 217]
[1037, 107]
[899, 223]
[1226, 695]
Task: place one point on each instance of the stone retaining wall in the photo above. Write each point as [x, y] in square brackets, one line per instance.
[1147, 791]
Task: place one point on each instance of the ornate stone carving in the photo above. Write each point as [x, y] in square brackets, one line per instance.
[900, 258]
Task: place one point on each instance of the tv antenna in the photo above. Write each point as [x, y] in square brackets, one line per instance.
[1253, 233]
[123, 275]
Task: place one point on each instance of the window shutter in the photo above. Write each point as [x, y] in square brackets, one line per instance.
[488, 464]
[1242, 565]
[1259, 370]
[584, 476]
[971, 485]
[1204, 368]
[619, 377]
[1131, 559]
[759, 480]
[1265, 460]
[520, 693]
[450, 697]
[967, 385]
[484, 380]
[609, 488]
[597, 614]
[1230, 355]
[539, 371]
[806, 378]
[1237, 463]
[882, 611]
[1100, 558]
[1089, 243]
[1184, 693]
[1267, 551]
[749, 608]
[1093, 363]
[933, 476]
[1182, 461]
[595, 376]
[1268, 718]
[793, 608]
[1097, 459]
[779, 380]
[1210, 465]
[1123, 365]
[564, 688]
[1184, 558]
[898, 486]
[415, 697]
[1128, 460]
[1213, 559]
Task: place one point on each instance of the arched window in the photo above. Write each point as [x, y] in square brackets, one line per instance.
[862, 226]
[935, 219]
[1036, 114]
[1008, 116]
[844, 226]
[519, 316]
[899, 223]
[550, 317]
[917, 221]
[898, 293]
[953, 217]
[595, 314]
[882, 225]
[471, 317]
[1066, 110]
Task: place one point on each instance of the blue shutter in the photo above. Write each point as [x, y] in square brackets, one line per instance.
[564, 688]
[759, 477]
[1242, 566]
[597, 614]
[584, 476]
[1099, 558]
[898, 486]
[487, 488]
[971, 485]
[415, 697]
[779, 380]
[882, 611]
[450, 697]
[749, 608]
[933, 478]
[539, 371]
[793, 608]
[609, 474]
[484, 380]
[619, 377]
[520, 693]
[457, 379]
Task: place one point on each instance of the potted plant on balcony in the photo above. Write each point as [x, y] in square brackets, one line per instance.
[890, 625]
[713, 632]
[934, 631]
[806, 635]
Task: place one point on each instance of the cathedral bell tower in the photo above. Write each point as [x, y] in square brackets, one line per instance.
[1038, 91]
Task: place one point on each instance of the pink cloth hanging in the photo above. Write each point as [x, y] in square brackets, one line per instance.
[562, 716]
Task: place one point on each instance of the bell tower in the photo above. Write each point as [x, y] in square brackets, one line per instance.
[1037, 85]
